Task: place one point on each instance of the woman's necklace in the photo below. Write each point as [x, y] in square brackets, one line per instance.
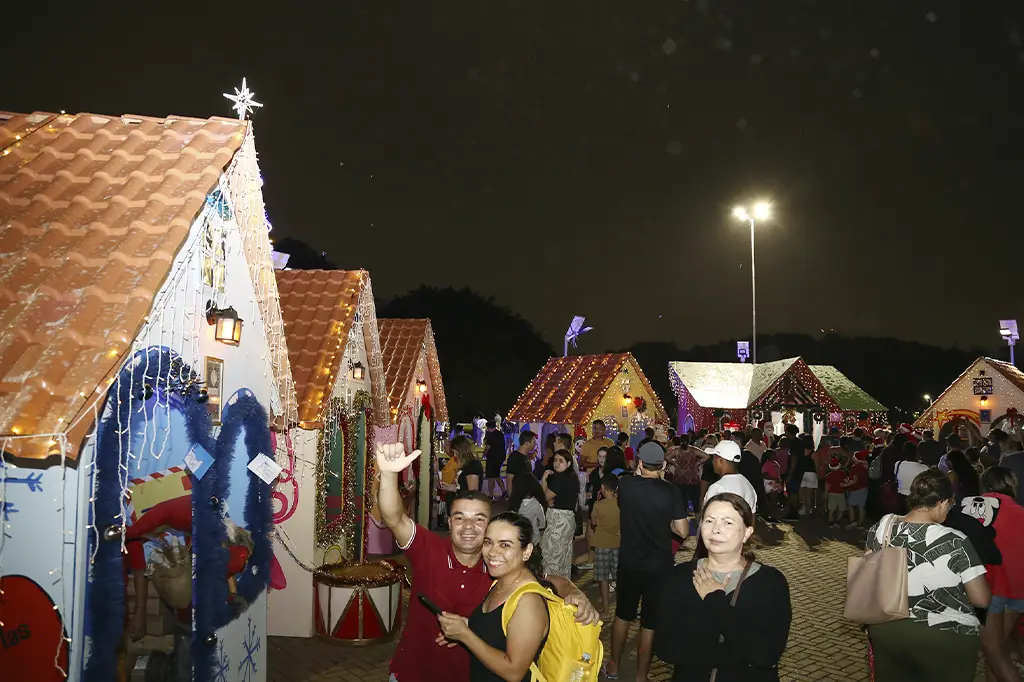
[499, 594]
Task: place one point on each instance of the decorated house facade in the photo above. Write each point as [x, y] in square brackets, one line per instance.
[570, 393]
[731, 395]
[988, 395]
[335, 356]
[141, 364]
[416, 402]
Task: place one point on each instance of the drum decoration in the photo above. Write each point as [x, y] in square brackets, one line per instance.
[358, 604]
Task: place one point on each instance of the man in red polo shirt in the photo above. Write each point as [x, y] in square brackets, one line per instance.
[450, 573]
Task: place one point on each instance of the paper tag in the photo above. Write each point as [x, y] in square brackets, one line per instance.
[198, 460]
[264, 467]
[141, 662]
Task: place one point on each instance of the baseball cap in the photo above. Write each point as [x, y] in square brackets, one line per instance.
[651, 453]
[728, 450]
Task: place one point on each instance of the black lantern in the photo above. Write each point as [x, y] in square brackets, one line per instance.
[358, 371]
[228, 326]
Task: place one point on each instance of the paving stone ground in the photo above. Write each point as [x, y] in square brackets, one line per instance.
[822, 645]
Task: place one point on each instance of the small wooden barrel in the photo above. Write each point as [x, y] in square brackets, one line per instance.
[358, 604]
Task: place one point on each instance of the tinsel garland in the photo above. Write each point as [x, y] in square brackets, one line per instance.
[209, 540]
[332, 532]
[105, 610]
[343, 528]
[368, 576]
[363, 403]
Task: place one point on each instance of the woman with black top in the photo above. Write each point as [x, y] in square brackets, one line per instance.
[737, 611]
[594, 481]
[513, 562]
[562, 488]
[614, 463]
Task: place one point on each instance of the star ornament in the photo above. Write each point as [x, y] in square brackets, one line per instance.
[243, 101]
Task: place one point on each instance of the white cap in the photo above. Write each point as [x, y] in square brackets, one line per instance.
[728, 450]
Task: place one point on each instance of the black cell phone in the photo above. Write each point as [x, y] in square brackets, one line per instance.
[430, 606]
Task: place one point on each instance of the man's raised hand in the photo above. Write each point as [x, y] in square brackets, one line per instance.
[391, 457]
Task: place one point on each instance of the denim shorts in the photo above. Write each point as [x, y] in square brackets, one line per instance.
[1002, 604]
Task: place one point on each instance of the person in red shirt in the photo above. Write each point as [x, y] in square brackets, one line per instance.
[450, 572]
[835, 489]
[857, 486]
[997, 508]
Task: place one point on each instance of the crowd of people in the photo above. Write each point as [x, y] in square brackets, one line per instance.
[954, 505]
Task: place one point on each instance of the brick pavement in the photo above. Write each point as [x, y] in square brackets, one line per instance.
[822, 646]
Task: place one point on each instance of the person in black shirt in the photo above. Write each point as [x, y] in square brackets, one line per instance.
[737, 611]
[519, 460]
[650, 509]
[494, 455]
[562, 488]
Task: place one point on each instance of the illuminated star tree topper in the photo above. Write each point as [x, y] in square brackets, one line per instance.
[243, 101]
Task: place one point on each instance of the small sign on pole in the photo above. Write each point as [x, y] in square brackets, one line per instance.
[743, 350]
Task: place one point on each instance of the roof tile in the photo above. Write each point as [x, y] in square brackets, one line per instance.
[93, 210]
[319, 308]
[401, 342]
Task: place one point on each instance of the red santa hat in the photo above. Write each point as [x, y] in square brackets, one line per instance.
[861, 456]
[912, 435]
[833, 462]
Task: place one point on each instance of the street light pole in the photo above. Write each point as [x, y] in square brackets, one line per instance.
[761, 211]
[753, 297]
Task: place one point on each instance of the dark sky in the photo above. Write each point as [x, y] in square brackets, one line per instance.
[583, 157]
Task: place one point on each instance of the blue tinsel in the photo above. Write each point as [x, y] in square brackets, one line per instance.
[212, 609]
[106, 608]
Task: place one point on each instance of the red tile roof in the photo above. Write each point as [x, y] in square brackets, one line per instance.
[568, 390]
[319, 309]
[93, 210]
[401, 344]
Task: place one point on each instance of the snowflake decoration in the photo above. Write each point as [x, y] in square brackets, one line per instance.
[220, 672]
[251, 644]
[9, 509]
[243, 100]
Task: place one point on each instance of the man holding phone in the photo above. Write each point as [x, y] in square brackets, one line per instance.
[449, 574]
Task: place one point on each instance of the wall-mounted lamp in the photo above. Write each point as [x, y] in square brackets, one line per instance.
[227, 325]
[358, 371]
[984, 399]
[626, 399]
[421, 386]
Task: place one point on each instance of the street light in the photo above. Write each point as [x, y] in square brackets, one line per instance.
[1008, 330]
[762, 210]
[928, 399]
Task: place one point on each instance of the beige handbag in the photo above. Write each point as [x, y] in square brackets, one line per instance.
[173, 578]
[876, 583]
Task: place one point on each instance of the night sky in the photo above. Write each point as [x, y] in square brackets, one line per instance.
[583, 158]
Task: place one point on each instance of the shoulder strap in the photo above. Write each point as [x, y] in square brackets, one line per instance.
[509, 607]
[743, 576]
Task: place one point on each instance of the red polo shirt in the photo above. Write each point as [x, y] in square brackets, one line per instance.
[455, 588]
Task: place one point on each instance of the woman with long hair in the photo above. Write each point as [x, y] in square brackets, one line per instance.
[724, 613]
[614, 462]
[965, 478]
[513, 561]
[998, 509]
[527, 498]
[562, 489]
[945, 580]
[470, 469]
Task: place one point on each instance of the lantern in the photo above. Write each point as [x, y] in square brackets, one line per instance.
[421, 386]
[358, 371]
[227, 325]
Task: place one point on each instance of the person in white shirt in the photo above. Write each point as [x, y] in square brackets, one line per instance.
[727, 457]
[908, 469]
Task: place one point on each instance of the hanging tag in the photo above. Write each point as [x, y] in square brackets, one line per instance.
[198, 461]
[266, 468]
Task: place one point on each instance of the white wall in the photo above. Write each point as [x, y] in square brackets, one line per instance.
[290, 611]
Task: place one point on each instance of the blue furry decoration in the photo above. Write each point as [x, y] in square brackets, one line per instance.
[151, 371]
[213, 610]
